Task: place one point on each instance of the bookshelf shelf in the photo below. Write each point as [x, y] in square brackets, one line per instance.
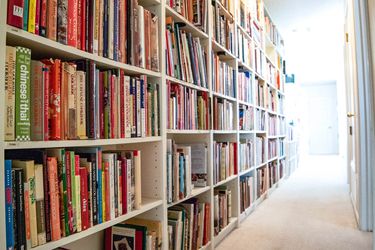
[188, 25]
[78, 143]
[49, 48]
[186, 84]
[147, 204]
[224, 53]
[195, 192]
[154, 179]
[229, 98]
[229, 179]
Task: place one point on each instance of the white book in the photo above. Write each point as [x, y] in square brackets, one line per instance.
[129, 184]
[9, 95]
[109, 157]
[138, 103]
[127, 105]
[141, 33]
[138, 185]
[119, 188]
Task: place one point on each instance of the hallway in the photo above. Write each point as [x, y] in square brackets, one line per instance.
[311, 210]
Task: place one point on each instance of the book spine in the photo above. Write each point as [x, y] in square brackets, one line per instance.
[96, 27]
[39, 199]
[45, 102]
[138, 108]
[138, 191]
[122, 104]
[43, 18]
[20, 225]
[37, 17]
[54, 198]
[25, 14]
[81, 105]
[22, 92]
[62, 21]
[83, 25]
[52, 19]
[99, 188]
[90, 25]
[94, 193]
[84, 199]
[110, 28]
[47, 203]
[69, 215]
[141, 34]
[72, 22]
[54, 101]
[15, 13]
[32, 18]
[77, 194]
[8, 205]
[10, 69]
[115, 29]
[37, 97]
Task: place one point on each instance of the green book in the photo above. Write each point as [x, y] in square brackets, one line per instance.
[22, 87]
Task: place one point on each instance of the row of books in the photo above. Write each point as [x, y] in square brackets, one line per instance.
[272, 174]
[272, 148]
[245, 86]
[55, 193]
[246, 117]
[223, 28]
[272, 125]
[245, 49]
[271, 31]
[223, 77]
[246, 192]
[259, 61]
[271, 74]
[186, 169]
[225, 160]
[271, 98]
[56, 100]
[246, 155]
[187, 108]
[261, 181]
[260, 119]
[244, 15]
[195, 12]
[135, 233]
[223, 114]
[121, 30]
[186, 58]
[222, 208]
[260, 150]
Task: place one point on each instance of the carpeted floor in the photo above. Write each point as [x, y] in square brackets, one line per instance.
[310, 210]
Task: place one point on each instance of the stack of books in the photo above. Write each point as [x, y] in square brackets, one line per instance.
[55, 193]
[225, 160]
[121, 30]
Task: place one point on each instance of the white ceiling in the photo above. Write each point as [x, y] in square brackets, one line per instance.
[313, 34]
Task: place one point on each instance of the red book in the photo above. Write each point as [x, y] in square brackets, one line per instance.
[206, 237]
[83, 25]
[51, 15]
[37, 17]
[43, 18]
[46, 70]
[122, 105]
[79, 23]
[85, 218]
[124, 181]
[15, 13]
[235, 157]
[54, 198]
[69, 190]
[54, 98]
[101, 105]
[113, 106]
[108, 238]
[139, 240]
[72, 22]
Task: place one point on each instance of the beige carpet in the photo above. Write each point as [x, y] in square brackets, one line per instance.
[310, 210]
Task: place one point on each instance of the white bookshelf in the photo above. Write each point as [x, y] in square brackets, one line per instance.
[154, 149]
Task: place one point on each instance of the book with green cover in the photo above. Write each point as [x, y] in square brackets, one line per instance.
[22, 90]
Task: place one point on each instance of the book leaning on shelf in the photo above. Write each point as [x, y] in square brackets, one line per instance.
[222, 208]
[57, 100]
[186, 58]
[186, 169]
[194, 11]
[135, 234]
[55, 193]
[121, 30]
[187, 108]
[225, 160]
[189, 225]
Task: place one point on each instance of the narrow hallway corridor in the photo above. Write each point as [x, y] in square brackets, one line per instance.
[310, 210]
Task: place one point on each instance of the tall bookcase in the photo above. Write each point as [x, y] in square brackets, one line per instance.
[268, 72]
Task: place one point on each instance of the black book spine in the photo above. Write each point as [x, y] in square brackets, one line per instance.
[14, 206]
[19, 229]
[46, 200]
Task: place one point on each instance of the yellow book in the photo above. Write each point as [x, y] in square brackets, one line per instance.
[103, 195]
[32, 13]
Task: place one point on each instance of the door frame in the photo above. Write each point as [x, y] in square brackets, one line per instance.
[365, 119]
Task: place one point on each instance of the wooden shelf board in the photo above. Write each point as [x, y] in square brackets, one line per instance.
[186, 84]
[195, 192]
[49, 48]
[147, 204]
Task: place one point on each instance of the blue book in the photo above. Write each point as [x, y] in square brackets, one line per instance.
[182, 175]
[100, 201]
[25, 14]
[8, 205]
[142, 128]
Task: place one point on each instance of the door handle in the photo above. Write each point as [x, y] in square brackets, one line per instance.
[350, 114]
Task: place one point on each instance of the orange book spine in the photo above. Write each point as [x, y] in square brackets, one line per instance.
[52, 19]
[55, 101]
[54, 198]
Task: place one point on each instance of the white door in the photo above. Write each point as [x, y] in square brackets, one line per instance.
[322, 118]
